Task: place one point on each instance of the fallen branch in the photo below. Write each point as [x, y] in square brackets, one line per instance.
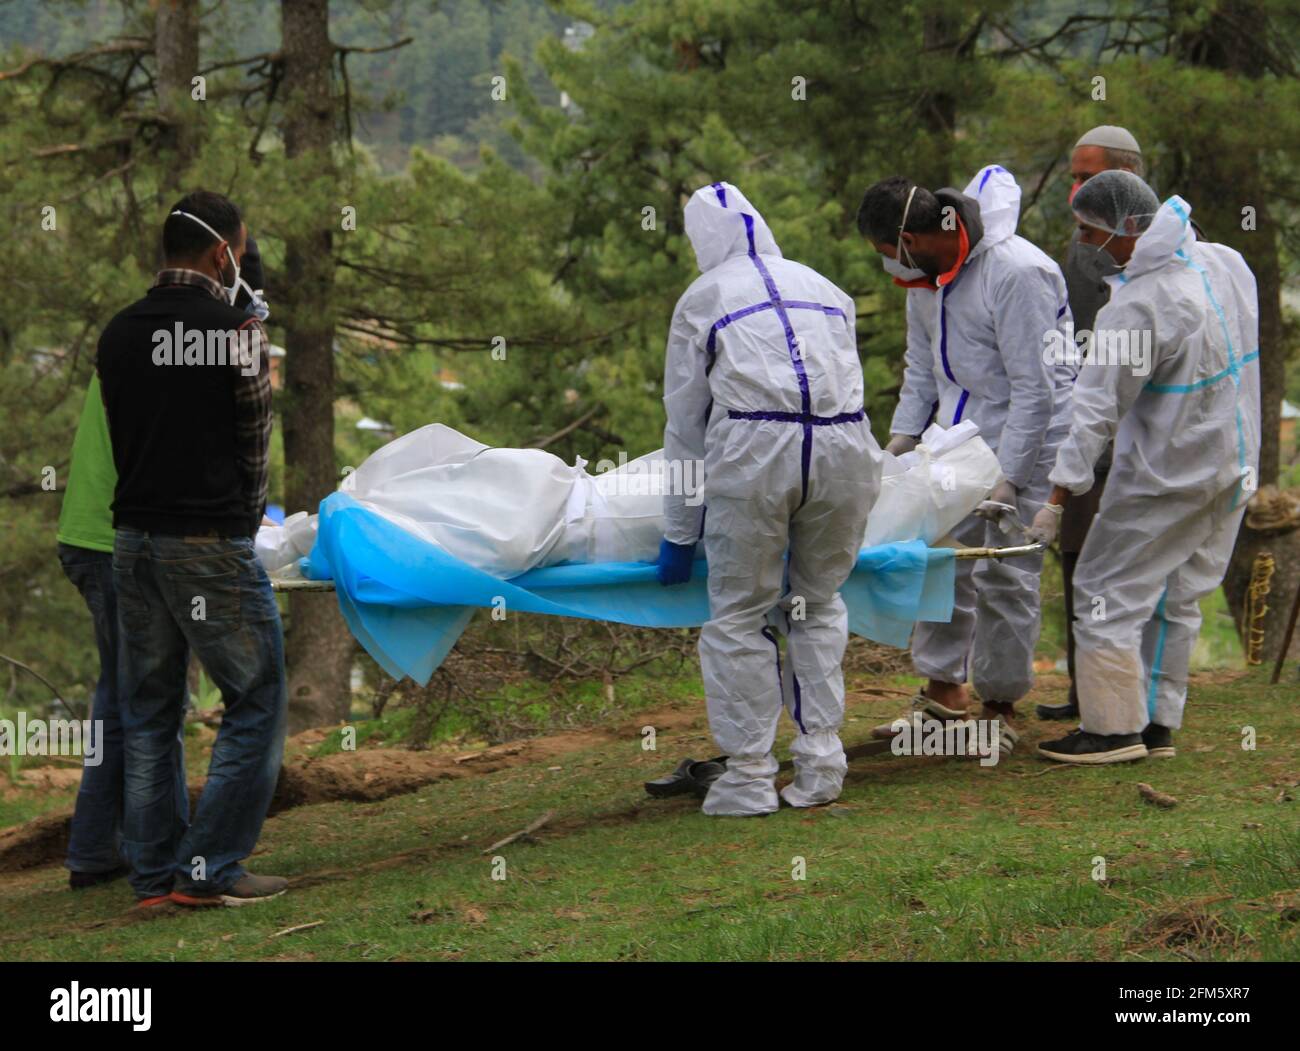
[1156, 798]
[295, 930]
[1051, 769]
[521, 833]
[490, 753]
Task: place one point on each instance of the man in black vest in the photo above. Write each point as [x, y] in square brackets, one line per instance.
[185, 380]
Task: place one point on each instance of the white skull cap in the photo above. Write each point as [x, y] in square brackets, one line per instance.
[1110, 137]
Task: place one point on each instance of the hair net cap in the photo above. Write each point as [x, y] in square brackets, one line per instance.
[1109, 137]
[1116, 201]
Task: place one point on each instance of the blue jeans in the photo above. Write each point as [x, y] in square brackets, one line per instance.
[95, 844]
[211, 595]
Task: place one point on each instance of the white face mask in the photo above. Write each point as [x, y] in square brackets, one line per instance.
[231, 290]
[903, 273]
[894, 266]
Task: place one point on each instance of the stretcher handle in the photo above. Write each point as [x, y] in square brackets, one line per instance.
[296, 584]
[999, 552]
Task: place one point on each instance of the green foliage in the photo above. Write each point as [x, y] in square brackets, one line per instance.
[208, 695]
[672, 96]
[554, 233]
[442, 262]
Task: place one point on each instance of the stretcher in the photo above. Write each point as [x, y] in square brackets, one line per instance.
[298, 585]
[435, 524]
[408, 604]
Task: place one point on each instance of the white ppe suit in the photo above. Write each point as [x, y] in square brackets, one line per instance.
[762, 382]
[979, 347]
[1173, 376]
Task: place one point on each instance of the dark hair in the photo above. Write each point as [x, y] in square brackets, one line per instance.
[184, 239]
[881, 213]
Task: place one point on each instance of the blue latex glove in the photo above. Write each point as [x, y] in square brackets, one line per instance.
[675, 562]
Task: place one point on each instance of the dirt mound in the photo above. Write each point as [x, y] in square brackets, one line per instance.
[50, 778]
[363, 776]
[40, 841]
[373, 774]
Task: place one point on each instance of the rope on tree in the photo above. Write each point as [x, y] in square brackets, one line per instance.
[1271, 508]
[1261, 582]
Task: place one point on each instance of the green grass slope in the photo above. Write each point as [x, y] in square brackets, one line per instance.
[923, 858]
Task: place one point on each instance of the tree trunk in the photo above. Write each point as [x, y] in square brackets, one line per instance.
[318, 645]
[176, 50]
[937, 110]
[1220, 183]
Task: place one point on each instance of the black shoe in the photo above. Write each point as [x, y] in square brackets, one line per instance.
[1159, 741]
[246, 890]
[1068, 710]
[82, 880]
[705, 773]
[1087, 749]
[690, 776]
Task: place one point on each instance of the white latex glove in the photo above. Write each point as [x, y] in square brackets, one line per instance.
[1001, 508]
[1004, 493]
[900, 444]
[1046, 524]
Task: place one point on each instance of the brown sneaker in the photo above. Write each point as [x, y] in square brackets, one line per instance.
[244, 891]
[924, 709]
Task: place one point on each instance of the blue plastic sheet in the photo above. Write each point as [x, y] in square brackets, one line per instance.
[407, 601]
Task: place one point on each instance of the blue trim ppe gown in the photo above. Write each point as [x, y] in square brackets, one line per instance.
[763, 384]
[989, 344]
[1185, 417]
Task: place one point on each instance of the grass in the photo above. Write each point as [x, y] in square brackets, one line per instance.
[921, 859]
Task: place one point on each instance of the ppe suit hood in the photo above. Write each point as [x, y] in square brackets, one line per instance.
[722, 223]
[968, 211]
[1169, 233]
[998, 195]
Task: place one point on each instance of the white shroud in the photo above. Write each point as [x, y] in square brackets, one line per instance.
[507, 511]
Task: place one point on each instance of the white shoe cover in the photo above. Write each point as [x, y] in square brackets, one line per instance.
[746, 789]
[819, 768]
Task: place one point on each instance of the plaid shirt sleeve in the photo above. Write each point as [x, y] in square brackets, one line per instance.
[253, 419]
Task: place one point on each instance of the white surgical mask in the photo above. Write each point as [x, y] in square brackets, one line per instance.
[903, 273]
[231, 290]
